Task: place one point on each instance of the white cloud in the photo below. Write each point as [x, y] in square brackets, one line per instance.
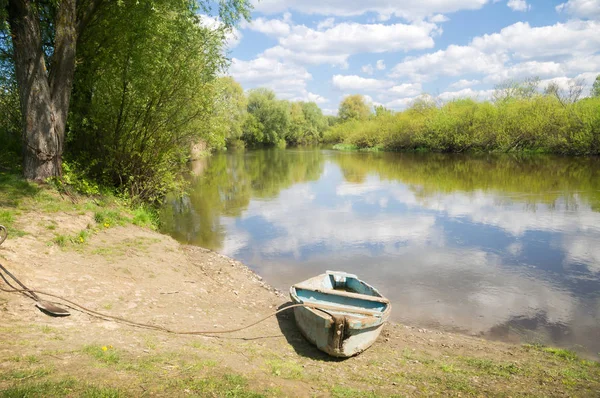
[466, 93]
[577, 38]
[406, 90]
[518, 5]
[439, 18]
[453, 61]
[307, 96]
[464, 83]
[380, 65]
[353, 38]
[561, 49]
[410, 9]
[585, 9]
[368, 69]
[335, 44]
[326, 23]
[287, 80]
[272, 27]
[527, 69]
[311, 58]
[399, 104]
[353, 82]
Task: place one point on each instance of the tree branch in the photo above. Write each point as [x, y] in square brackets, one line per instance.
[87, 14]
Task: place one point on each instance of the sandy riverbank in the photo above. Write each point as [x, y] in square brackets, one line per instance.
[133, 272]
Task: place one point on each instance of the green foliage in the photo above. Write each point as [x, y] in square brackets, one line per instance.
[10, 111]
[145, 216]
[229, 113]
[270, 118]
[354, 107]
[519, 120]
[143, 95]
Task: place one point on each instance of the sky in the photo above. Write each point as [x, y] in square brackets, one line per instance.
[392, 51]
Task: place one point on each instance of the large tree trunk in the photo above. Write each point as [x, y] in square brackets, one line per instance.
[44, 97]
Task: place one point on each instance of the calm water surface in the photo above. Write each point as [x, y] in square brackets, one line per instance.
[503, 247]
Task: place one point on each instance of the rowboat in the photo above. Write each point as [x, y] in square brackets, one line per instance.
[343, 316]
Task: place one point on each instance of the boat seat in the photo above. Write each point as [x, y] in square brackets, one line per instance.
[344, 294]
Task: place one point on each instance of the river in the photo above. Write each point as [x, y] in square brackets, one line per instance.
[503, 247]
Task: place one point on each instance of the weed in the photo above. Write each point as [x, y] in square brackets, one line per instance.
[104, 354]
[60, 240]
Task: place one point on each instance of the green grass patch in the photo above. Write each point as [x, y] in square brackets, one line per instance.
[489, 367]
[561, 353]
[347, 392]
[145, 216]
[14, 188]
[107, 218]
[62, 388]
[228, 385]
[23, 374]
[285, 369]
[105, 354]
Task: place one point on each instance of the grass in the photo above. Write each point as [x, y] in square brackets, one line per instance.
[18, 195]
[62, 388]
[227, 385]
[347, 392]
[107, 355]
[286, 369]
[489, 367]
[23, 374]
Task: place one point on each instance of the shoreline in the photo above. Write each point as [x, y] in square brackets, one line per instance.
[131, 271]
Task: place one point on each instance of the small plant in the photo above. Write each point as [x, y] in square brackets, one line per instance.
[106, 354]
[60, 240]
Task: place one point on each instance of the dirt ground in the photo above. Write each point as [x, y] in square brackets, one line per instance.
[139, 274]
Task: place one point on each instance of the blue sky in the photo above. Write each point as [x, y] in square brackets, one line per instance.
[391, 51]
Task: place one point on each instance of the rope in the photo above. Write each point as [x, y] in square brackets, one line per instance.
[81, 308]
[32, 294]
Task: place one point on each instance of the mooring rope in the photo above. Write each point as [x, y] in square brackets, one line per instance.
[78, 307]
[32, 294]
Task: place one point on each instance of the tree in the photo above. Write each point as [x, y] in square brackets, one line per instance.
[596, 88]
[45, 35]
[354, 107]
[145, 90]
[315, 121]
[570, 95]
[512, 89]
[381, 110]
[230, 111]
[44, 82]
[270, 118]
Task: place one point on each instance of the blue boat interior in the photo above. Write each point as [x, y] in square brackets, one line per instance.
[345, 304]
[348, 283]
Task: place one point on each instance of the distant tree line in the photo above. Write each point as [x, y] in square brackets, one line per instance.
[521, 116]
[259, 119]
